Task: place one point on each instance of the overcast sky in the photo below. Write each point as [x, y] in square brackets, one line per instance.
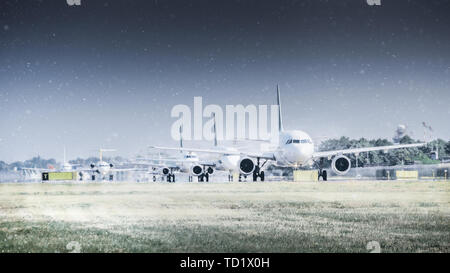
[107, 73]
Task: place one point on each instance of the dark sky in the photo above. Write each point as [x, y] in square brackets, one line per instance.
[107, 73]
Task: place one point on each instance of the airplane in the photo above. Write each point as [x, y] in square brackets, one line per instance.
[187, 162]
[103, 168]
[65, 167]
[227, 160]
[295, 149]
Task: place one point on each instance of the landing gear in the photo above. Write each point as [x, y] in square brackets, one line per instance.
[203, 177]
[170, 178]
[322, 173]
[111, 177]
[154, 178]
[230, 178]
[190, 178]
[257, 172]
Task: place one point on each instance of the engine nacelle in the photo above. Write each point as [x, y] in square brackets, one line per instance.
[210, 170]
[196, 170]
[341, 164]
[246, 165]
[165, 171]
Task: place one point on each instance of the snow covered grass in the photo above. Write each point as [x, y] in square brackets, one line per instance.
[225, 217]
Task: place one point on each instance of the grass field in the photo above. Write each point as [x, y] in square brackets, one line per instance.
[225, 217]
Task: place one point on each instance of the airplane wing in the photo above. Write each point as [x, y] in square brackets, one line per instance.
[365, 149]
[176, 160]
[37, 169]
[110, 170]
[158, 165]
[268, 156]
[126, 170]
[222, 152]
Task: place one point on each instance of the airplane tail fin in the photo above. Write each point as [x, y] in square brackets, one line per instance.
[181, 136]
[280, 119]
[215, 130]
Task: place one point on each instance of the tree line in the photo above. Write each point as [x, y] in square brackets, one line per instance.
[419, 155]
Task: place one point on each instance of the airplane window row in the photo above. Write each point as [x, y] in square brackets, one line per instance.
[298, 141]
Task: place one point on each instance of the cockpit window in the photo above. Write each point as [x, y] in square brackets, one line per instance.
[296, 141]
[289, 141]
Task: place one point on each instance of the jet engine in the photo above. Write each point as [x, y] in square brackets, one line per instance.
[210, 170]
[196, 170]
[341, 164]
[165, 171]
[246, 165]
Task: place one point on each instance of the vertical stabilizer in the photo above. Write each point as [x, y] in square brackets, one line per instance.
[181, 136]
[280, 119]
[215, 130]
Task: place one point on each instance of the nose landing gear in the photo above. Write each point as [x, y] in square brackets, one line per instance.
[230, 177]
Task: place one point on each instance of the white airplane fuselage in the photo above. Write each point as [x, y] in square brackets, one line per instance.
[189, 159]
[228, 162]
[295, 148]
[103, 167]
[67, 167]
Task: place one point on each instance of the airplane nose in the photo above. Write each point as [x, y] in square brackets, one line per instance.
[301, 154]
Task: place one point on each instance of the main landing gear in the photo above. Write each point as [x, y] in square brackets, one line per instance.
[171, 177]
[203, 177]
[323, 174]
[257, 172]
